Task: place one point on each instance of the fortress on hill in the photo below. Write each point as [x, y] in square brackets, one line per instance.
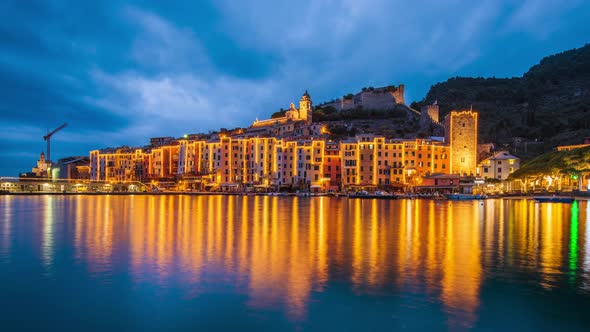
[384, 98]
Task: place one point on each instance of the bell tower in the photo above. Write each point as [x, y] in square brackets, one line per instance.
[305, 107]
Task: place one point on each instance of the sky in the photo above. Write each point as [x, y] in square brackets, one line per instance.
[120, 72]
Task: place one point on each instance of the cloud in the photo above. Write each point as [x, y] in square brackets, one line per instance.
[539, 18]
[162, 45]
[120, 73]
[176, 104]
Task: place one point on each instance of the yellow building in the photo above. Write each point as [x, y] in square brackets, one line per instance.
[122, 164]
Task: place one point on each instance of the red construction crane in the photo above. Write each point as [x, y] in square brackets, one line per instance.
[48, 139]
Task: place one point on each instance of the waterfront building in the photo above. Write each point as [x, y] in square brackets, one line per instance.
[363, 161]
[121, 164]
[332, 179]
[442, 183]
[499, 166]
[291, 152]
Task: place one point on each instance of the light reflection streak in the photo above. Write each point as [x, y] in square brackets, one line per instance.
[6, 241]
[47, 242]
[279, 251]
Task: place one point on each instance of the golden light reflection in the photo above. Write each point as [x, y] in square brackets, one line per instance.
[551, 222]
[280, 251]
[462, 264]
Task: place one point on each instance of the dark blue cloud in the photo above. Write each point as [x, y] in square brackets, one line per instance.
[122, 72]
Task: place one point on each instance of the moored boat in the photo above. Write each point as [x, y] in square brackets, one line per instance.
[465, 197]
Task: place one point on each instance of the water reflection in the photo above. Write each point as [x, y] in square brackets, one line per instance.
[280, 252]
[586, 245]
[47, 235]
[6, 229]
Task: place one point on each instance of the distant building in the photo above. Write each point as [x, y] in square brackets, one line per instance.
[71, 168]
[159, 141]
[42, 165]
[499, 166]
[304, 113]
[461, 134]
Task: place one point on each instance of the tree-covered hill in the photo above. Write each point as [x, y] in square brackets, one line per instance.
[550, 102]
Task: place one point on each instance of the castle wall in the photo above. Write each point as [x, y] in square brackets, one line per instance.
[375, 99]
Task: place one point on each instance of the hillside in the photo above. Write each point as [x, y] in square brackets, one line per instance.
[550, 102]
[398, 121]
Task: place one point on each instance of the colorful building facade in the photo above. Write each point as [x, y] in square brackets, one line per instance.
[292, 152]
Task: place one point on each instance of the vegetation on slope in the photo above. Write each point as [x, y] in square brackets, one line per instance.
[550, 102]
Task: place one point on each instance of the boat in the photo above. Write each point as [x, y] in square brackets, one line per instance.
[364, 194]
[465, 197]
[553, 199]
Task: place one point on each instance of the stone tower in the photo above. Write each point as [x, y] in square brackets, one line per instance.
[461, 135]
[430, 112]
[429, 120]
[398, 94]
[305, 107]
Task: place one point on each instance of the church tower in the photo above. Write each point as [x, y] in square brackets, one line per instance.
[305, 107]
